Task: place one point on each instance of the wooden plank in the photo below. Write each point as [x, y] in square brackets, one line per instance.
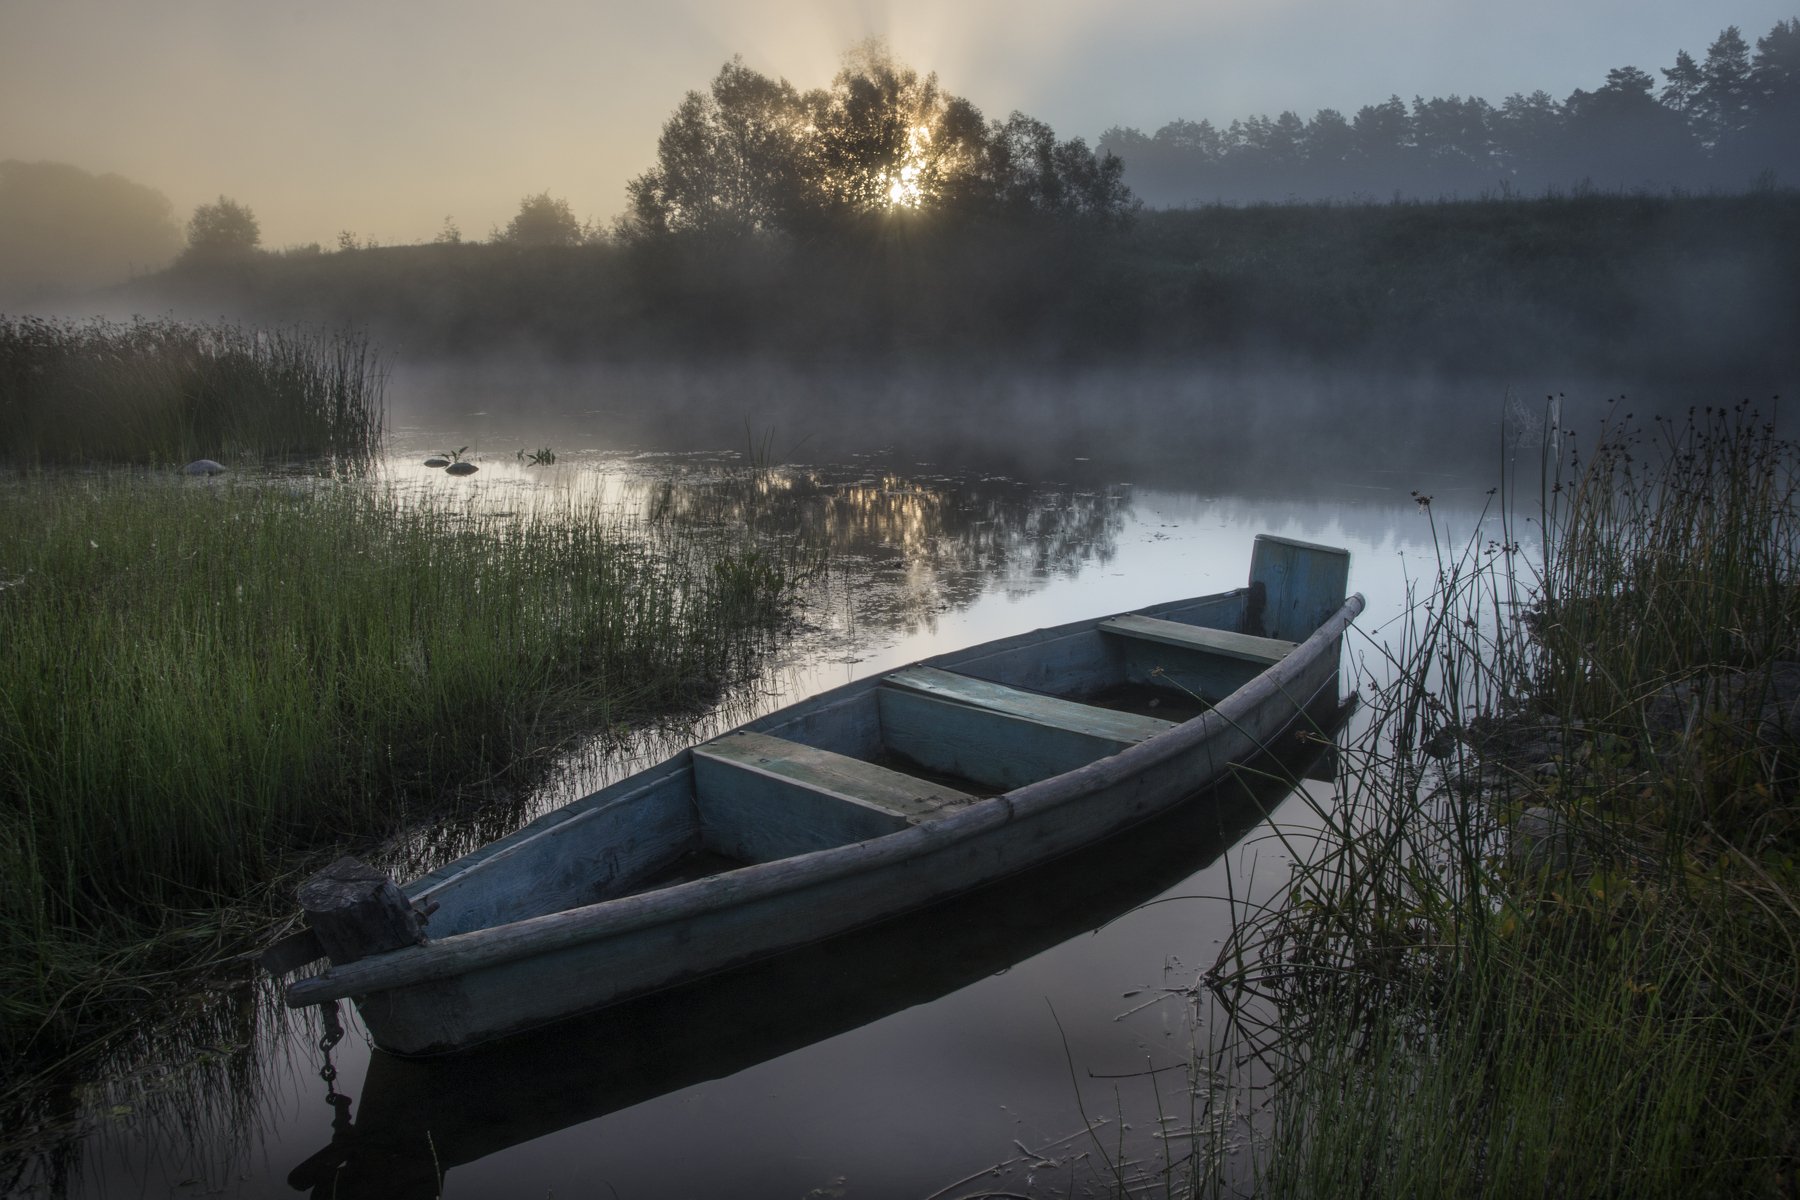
[836, 774]
[1302, 584]
[1260, 650]
[763, 798]
[999, 736]
[1123, 727]
[617, 838]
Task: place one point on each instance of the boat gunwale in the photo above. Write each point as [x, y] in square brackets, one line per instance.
[546, 933]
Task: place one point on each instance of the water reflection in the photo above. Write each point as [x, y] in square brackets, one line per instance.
[418, 1119]
[919, 544]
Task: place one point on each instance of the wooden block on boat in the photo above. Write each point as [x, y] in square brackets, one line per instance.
[1260, 650]
[357, 911]
[999, 736]
[764, 797]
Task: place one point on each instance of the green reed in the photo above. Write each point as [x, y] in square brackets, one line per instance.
[202, 679]
[169, 392]
[1546, 942]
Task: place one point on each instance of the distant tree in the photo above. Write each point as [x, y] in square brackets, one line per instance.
[1722, 103]
[1684, 83]
[542, 220]
[1029, 173]
[1620, 136]
[1329, 144]
[1775, 74]
[730, 161]
[1454, 140]
[1529, 134]
[223, 229]
[1383, 134]
[1772, 140]
[65, 228]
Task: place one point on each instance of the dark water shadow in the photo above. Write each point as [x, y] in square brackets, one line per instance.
[417, 1118]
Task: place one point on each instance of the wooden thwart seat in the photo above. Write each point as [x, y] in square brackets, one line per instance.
[1260, 650]
[1001, 737]
[762, 798]
[1054, 711]
[838, 774]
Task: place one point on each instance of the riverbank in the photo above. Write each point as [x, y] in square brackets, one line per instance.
[1547, 944]
[213, 681]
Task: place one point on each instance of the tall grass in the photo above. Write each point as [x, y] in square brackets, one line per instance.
[168, 392]
[1547, 944]
[200, 680]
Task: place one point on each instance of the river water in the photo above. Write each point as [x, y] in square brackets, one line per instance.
[1047, 1037]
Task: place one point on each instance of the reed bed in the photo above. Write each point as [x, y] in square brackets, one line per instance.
[1546, 944]
[167, 392]
[203, 680]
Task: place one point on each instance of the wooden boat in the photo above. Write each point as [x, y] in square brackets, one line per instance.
[418, 1118]
[869, 800]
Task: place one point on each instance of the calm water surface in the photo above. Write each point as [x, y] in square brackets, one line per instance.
[964, 1051]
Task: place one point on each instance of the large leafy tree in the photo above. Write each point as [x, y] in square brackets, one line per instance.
[732, 161]
[754, 155]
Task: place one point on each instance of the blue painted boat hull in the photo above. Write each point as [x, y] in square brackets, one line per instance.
[1014, 768]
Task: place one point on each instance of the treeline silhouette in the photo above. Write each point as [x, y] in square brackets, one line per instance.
[880, 221]
[1727, 122]
[1706, 287]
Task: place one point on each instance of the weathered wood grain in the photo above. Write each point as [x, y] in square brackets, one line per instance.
[997, 736]
[1259, 650]
[1303, 583]
[763, 798]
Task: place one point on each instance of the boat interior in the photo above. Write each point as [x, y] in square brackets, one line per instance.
[868, 759]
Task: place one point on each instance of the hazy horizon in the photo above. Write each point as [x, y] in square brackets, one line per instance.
[386, 119]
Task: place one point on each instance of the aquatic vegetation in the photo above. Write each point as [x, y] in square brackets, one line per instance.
[167, 392]
[1546, 942]
[204, 679]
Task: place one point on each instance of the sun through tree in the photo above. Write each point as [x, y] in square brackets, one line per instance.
[754, 155]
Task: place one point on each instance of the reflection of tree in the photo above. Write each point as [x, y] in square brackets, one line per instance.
[915, 546]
